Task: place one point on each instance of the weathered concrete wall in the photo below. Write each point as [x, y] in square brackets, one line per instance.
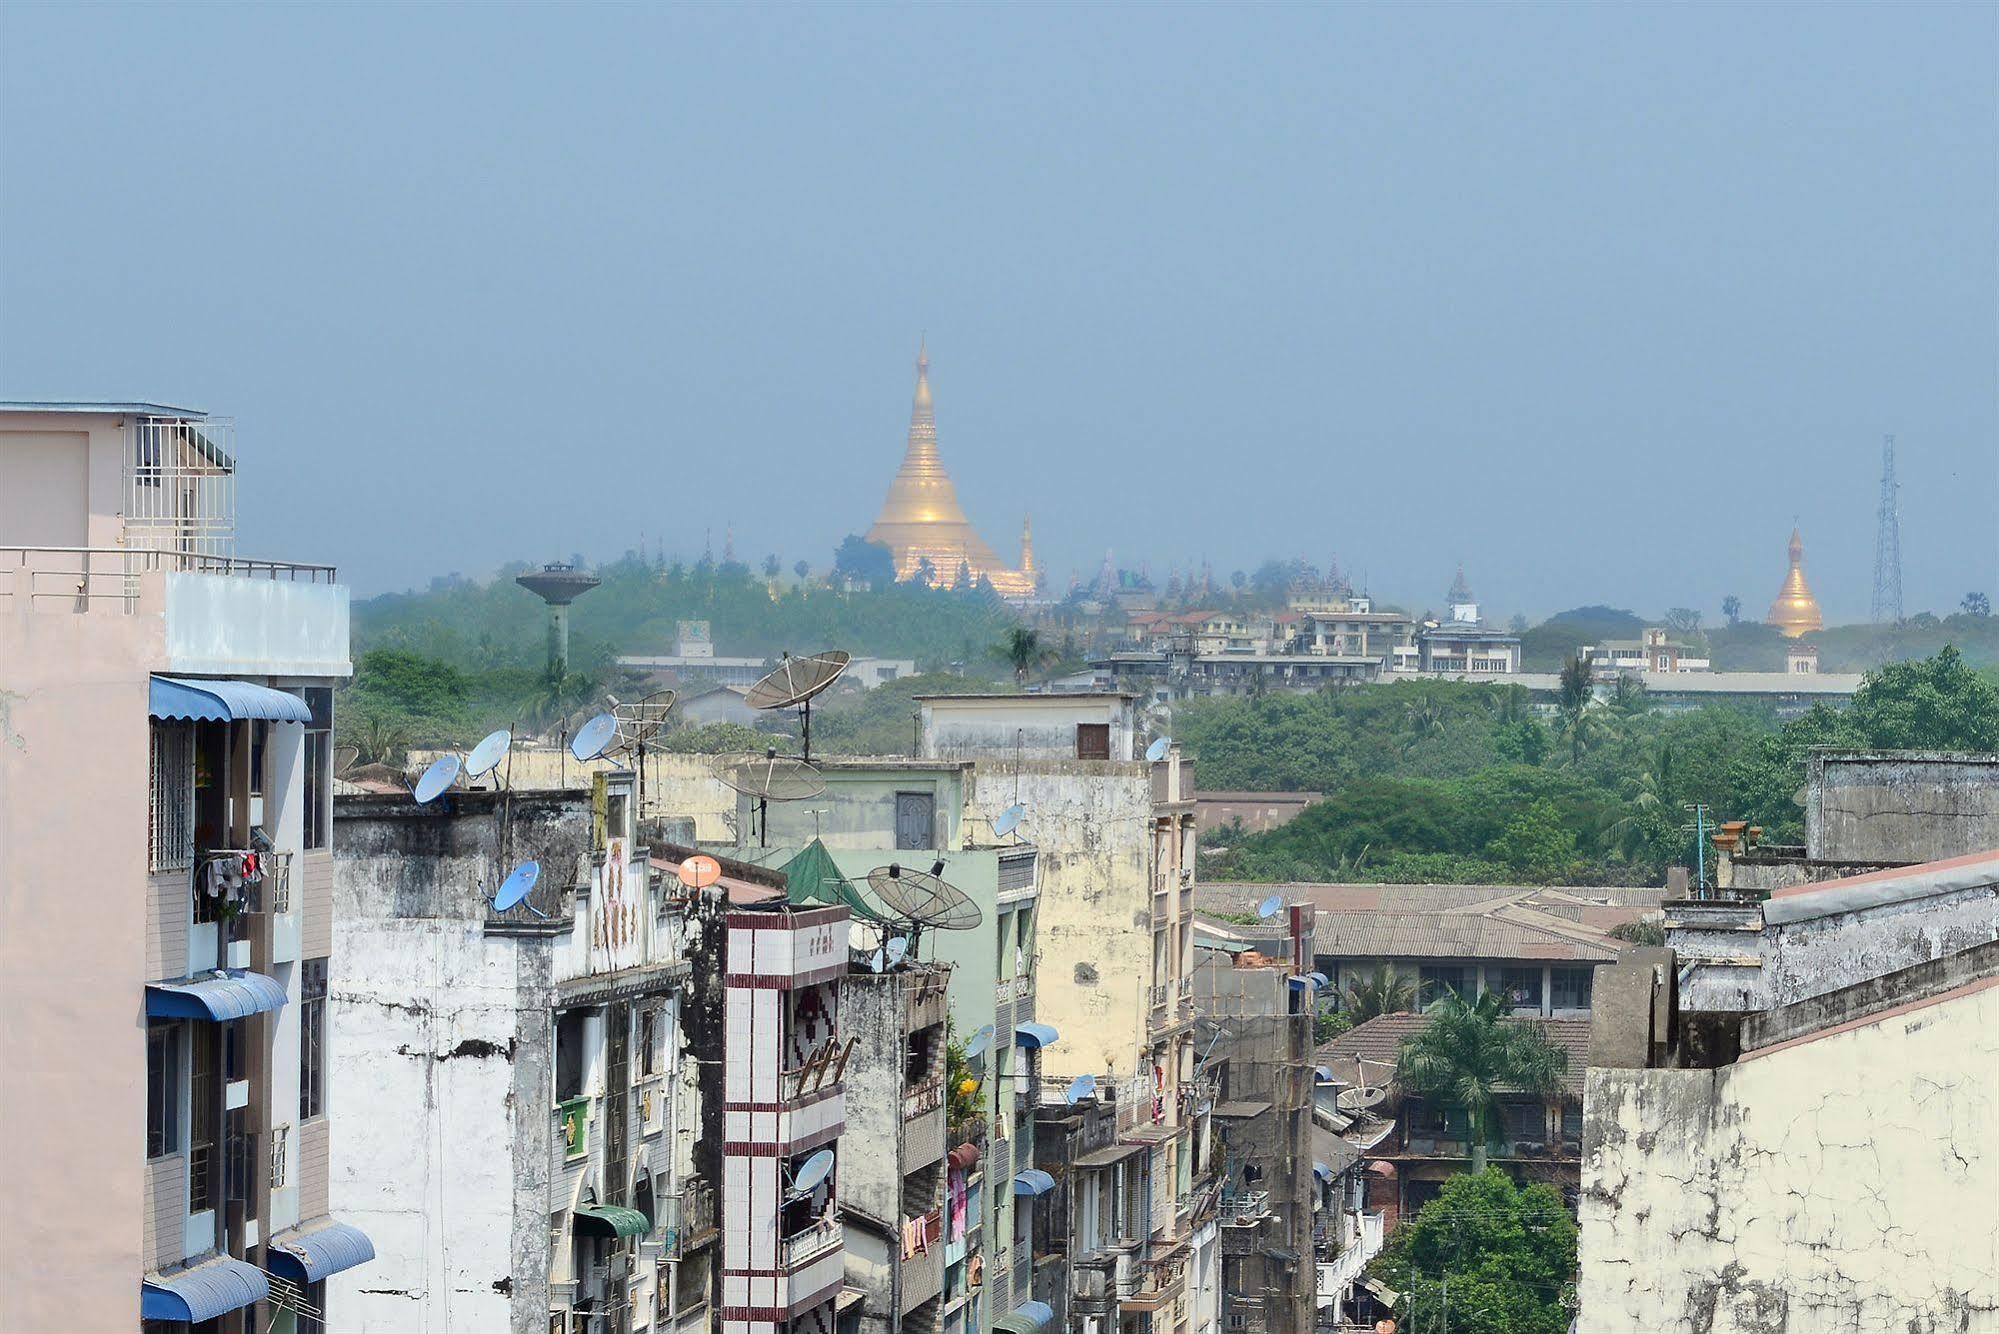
[1090, 822]
[681, 788]
[871, 1148]
[1849, 1181]
[1037, 727]
[448, 1024]
[1901, 806]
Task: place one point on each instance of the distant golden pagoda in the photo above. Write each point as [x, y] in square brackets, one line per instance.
[922, 521]
[1796, 611]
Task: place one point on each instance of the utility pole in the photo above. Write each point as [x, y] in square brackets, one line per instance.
[1699, 830]
[1887, 608]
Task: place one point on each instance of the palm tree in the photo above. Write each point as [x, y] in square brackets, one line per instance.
[1023, 648]
[1575, 695]
[1649, 789]
[1468, 1053]
[1383, 992]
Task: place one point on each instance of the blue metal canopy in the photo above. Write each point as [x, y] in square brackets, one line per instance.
[224, 701]
[1321, 1171]
[1038, 1312]
[1034, 1036]
[203, 1291]
[1033, 1181]
[307, 1255]
[225, 994]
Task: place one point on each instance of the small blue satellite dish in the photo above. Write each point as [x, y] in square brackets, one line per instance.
[1300, 983]
[1009, 819]
[441, 774]
[592, 737]
[1270, 907]
[486, 756]
[520, 883]
[1157, 750]
[979, 1042]
[876, 962]
[1318, 979]
[895, 949]
[813, 1171]
[1081, 1087]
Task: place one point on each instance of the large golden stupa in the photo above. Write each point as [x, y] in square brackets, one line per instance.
[922, 521]
[1796, 611]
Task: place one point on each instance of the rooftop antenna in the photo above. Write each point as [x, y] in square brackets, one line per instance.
[1888, 543]
[639, 726]
[558, 584]
[773, 777]
[794, 682]
[1699, 830]
[923, 898]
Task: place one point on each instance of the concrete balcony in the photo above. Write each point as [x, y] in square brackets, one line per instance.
[802, 1248]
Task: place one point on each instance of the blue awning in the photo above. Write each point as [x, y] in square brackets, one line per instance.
[1321, 1171]
[307, 1255]
[202, 1291]
[224, 701]
[1040, 1313]
[1033, 1181]
[1034, 1036]
[234, 993]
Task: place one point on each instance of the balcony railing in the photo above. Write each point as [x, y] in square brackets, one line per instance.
[1012, 988]
[799, 1247]
[921, 1101]
[1245, 1209]
[107, 578]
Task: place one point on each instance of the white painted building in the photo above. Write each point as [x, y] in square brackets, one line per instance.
[165, 781]
[533, 1169]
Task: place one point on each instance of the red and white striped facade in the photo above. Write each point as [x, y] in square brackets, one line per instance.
[783, 1261]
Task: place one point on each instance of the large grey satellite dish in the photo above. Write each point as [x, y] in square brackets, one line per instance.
[772, 777]
[794, 682]
[1360, 1099]
[924, 898]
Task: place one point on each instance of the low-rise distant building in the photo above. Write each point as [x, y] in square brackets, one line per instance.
[1257, 812]
[1100, 725]
[1652, 651]
[1540, 1136]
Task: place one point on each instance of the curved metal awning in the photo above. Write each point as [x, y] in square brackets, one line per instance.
[223, 701]
[202, 1291]
[225, 994]
[1026, 1318]
[1034, 1036]
[1033, 1182]
[611, 1220]
[307, 1255]
[1321, 1171]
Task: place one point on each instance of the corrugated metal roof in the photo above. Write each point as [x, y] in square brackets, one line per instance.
[202, 1291]
[308, 1254]
[221, 996]
[612, 1220]
[224, 701]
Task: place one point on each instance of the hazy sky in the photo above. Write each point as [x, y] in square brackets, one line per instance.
[1594, 298]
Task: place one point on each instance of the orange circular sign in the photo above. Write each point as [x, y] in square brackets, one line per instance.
[700, 871]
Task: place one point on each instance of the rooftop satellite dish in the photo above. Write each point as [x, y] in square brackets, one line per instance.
[520, 883]
[924, 898]
[441, 774]
[486, 756]
[1081, 1087]
[1360, 1099]
[794, 682]
[976, 1045]
[1157, 750]
[1009, 819]
[895, 950]
[639, 723]
[772, 777]
[699, 871]
[877, 962]
[345, 758]
[591, 738]
[811, 1172]
[1270, 907]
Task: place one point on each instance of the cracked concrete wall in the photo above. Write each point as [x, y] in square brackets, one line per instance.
[1848, 1181]
[441, 1050]
[1090, 822]
[1901, 806]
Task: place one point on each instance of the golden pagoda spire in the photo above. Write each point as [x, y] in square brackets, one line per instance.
[921, 519]
[1796, 611]
[1026, 545]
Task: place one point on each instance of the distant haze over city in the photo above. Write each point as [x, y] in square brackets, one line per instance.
[1598, 302]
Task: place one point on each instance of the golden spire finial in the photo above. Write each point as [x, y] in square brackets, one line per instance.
[1796, 611]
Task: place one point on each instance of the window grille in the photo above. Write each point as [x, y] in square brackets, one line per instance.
[172, 831]
[312, 1039]
[280, 1143]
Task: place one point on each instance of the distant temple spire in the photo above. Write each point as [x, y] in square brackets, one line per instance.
[1796, 611]
[1460, 590]
[1027, 546]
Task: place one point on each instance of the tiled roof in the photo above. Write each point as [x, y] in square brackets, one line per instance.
[1376, 1043]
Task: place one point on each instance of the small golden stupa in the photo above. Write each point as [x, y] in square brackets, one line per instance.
[922, 523]
[1796, 611]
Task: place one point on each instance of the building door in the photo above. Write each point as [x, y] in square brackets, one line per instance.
[915, 819]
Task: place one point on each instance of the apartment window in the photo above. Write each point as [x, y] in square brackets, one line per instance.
[1093, 741]
[172, 828]
[318, 767]
[1521, 987]
[312, 1039]
[1571, 988]
[651, 1060]
[1440, 978]
[162, 1090]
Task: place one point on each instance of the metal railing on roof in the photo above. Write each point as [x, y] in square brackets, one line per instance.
[81, 579]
